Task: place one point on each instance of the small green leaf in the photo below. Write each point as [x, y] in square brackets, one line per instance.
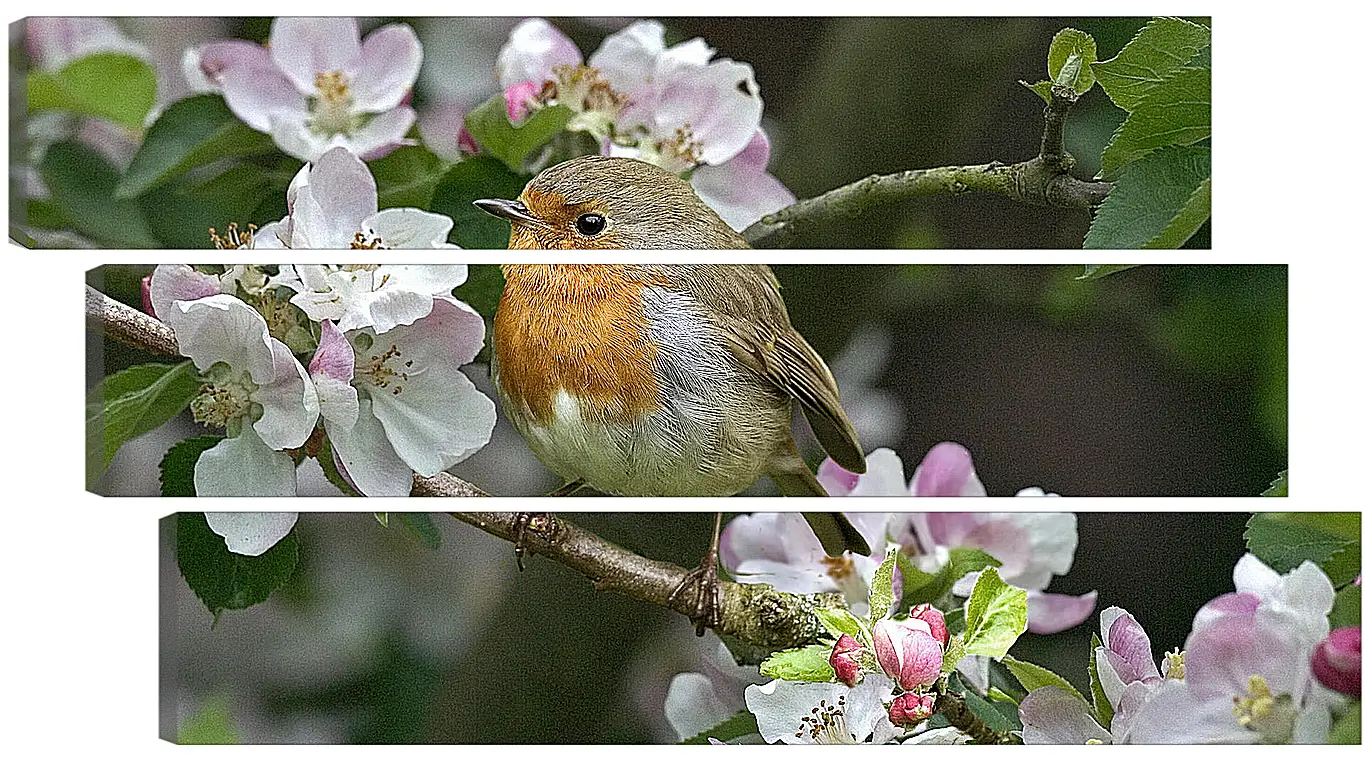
[1158, 49]
[1346, 729]
[997, 715]
[1153, 193]
[1346, 607]
[1279, 487]
[1066, 44]
[212, 724]
[382, 518]
[1104, 711]
[882, 596]
[806, 665]
[225, 580]
[839, 622]
[920, 587]
[953, 654]
[1096, 271]
[132, 402]
[114, 86]
[82, 185]
[470, 180]
[738, 725]
[495, 134]
[407, 176]
[1176, 112]
[1032, 676]
[421, 526]
[996, 615]
[190, 133]
[177, 466]
[1043, 88]
[1284, 540]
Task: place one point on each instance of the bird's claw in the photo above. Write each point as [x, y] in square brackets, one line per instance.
[698, 595]
[541, 523]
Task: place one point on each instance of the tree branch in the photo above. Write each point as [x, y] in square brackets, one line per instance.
[1044, 180]
[953, 706]
[756, 614]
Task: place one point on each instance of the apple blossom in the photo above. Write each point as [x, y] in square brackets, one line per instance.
[823, 713]
[316, 86]
[938, 625]
[378, 296]
[907, 651]
[844, 659]
[334, 203]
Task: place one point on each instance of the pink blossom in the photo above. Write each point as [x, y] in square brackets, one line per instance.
[1336, 661]
[907, 651]
[910, 709]
[844, 659]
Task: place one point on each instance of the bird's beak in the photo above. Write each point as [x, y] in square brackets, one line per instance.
[512, 210]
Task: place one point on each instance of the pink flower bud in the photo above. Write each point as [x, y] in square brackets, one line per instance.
[844, 659]
[521, 100]
[1336, 661]
[147, 296]
[907, 651]
[932, 616]
[910, 709]
[465, 143]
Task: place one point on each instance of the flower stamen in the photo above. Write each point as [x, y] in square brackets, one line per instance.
[826, 724]
[384, 376]
[234, 239]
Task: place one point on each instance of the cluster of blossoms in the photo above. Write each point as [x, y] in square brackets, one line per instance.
[1259, 666]
[384, 346]
[676, 107]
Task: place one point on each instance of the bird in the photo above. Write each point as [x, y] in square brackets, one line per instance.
[657, 379]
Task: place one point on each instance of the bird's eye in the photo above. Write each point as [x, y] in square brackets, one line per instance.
[591, 224]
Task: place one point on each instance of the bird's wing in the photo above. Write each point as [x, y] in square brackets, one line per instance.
[749, 312]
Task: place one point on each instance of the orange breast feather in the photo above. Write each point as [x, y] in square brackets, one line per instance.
[577, 328]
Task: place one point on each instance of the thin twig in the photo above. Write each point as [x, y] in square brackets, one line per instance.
[953, 706]
[1045, 180]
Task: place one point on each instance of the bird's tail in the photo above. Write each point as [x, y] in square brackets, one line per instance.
[834, 530]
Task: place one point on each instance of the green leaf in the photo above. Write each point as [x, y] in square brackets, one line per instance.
[181, 212]
[114, 86]
[1187, 220]
[1153, 193]
[997, 715]
[1066, 44]
[882, 595]
[225, 580]
[806, 665]
[406, 177]
[953, 654]
[1158, 49]
[1032, 676]
[82, 185]
[738, 725]
[920, 587]
[327, 459]
[839, 622]
[1104, 711]
[495, 134]
[996, 615]
[421, 526]
[212, 724]
[132, 402]
[1346, 607]
[470, 180]
[190, 133]
[1176, 112]
[1096, 271]
[1346, 729]
[177, 466]
[1043, 88]
[1279, 487]
[1284, 540]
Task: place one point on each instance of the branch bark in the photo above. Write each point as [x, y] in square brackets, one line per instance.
[1045, 180]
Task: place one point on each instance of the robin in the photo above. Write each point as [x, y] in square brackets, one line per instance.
[656, 379]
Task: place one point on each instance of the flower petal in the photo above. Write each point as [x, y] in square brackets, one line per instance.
[244, 466]
[251, 533]
[382, 134]
[1052, 716]
[305, 47]
[1049, 613]
[389, 60]
[946, 471]
[368, 458]
[288, 399]
[292, 135]
[534, 48]
[222, 328]
[330, 208]
[740, 189]
[179, 282]
[718, 102]
[410, 228]
[693, 706]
